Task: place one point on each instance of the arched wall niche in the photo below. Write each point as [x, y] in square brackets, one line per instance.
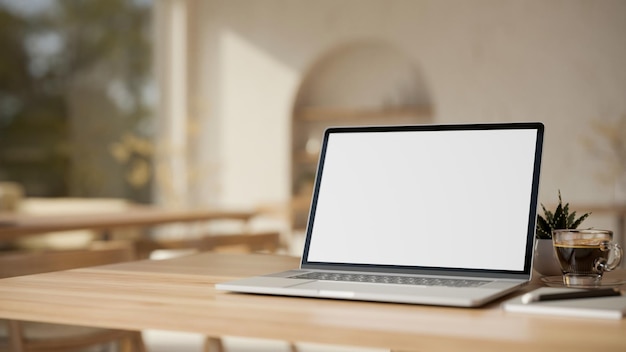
[366, 82]
[363, 75]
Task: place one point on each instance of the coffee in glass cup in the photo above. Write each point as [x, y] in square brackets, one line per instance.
[584, 255]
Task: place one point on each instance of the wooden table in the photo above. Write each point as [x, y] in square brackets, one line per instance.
[179, 295]
[14, 225]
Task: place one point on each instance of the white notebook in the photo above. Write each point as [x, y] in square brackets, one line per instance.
[599, 307]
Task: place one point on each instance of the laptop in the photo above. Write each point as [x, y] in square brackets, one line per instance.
[423, 214]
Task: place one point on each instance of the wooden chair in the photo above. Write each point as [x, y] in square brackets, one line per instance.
[18, 336]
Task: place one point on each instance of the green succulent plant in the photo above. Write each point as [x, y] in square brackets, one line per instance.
[559, 219]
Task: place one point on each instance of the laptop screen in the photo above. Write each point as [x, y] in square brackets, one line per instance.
[426, 197]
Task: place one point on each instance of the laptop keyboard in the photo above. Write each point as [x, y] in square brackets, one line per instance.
[391, 279]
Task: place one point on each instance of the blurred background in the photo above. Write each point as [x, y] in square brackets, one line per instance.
[222, 103]
[187, 103]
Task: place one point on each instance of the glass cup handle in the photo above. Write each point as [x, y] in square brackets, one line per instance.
[615, 257]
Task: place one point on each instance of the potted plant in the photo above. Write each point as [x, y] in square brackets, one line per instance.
[545, 261]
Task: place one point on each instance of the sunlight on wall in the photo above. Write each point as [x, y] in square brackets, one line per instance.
[255, 110]
[177, 109]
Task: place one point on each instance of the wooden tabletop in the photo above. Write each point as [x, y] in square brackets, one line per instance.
[179, 295]
[14, 225]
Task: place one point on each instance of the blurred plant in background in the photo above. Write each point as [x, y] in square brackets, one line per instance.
[135, 153]
[74, 76]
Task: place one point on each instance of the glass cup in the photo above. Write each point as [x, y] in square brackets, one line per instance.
[584, 255]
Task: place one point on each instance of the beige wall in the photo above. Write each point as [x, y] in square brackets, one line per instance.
[559, 62]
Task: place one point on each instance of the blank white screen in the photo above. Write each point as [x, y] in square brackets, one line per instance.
[453, 199]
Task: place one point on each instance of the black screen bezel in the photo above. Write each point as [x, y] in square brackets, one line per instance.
[532, 209]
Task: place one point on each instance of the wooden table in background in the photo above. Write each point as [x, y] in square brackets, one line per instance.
[179, 295]
[13, 225]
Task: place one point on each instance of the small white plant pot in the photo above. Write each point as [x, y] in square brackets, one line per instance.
[545, 261]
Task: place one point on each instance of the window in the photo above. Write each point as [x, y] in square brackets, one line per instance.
[77, 97]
